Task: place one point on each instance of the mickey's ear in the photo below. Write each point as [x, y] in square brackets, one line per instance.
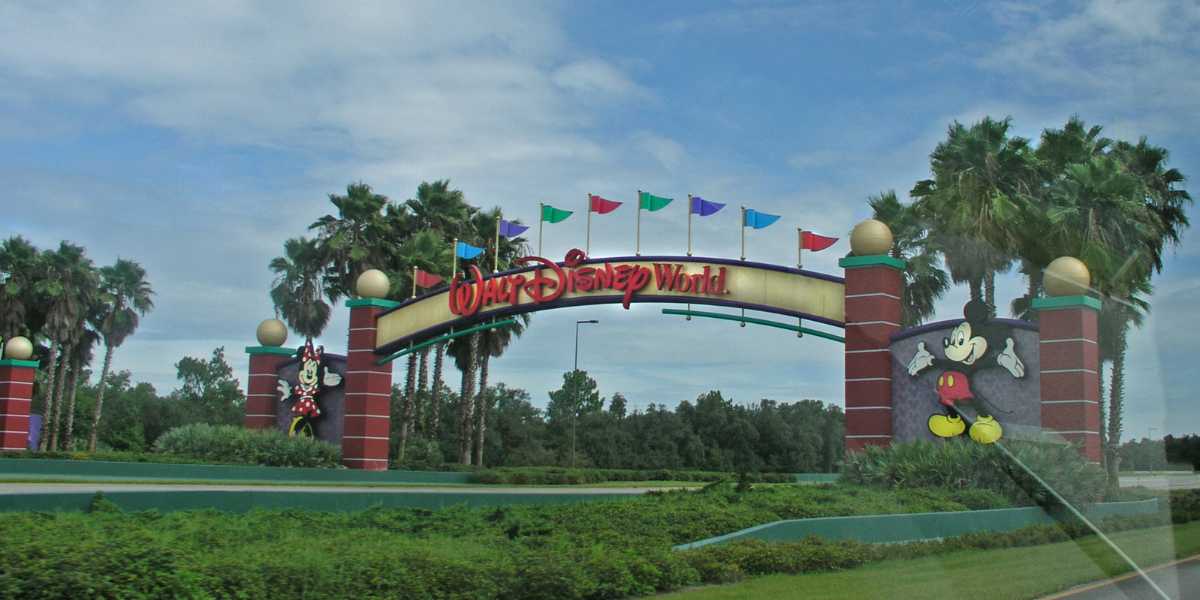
[977, 311]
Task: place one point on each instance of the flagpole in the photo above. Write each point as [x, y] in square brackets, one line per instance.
[587, 244]
[414, 294]
[454, 261]
[689, 213]
[541, 219]
[799, 264]
[496, 252]
[637, 232]
[743, 233]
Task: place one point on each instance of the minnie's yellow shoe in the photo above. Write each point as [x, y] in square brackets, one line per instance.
[946, 426]
[986, 430]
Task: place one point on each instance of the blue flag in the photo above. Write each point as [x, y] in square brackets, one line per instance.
[758, 220]
[466, 251]
[509, 229]
[703, 207]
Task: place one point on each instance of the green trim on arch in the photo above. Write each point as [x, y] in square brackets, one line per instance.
[376, 302]
[276, 350]
[1061, 302]
[12, 362]
[882, 260]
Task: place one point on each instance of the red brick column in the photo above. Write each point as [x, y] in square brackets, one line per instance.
[1070, 370]
[262, 392]
[873, 288]
[16, 394]
[367, 423]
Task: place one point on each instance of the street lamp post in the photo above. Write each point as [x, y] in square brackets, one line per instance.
[575, 388]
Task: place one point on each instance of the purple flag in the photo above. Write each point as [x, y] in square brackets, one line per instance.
[703, 207]
[509, 229]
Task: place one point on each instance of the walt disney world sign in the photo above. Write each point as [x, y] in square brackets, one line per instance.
[540, 284]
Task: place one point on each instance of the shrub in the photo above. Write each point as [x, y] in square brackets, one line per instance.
[962, 466]
[566, 476]
[234, 444]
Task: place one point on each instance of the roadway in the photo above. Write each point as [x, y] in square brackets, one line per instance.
[1179, 579]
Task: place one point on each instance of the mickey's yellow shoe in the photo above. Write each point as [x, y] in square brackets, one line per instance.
[946, 426]
[986, 430]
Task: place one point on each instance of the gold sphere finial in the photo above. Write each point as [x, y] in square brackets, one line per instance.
[373, 283]
[1066, 276]
[871, 237]
[271, 332]
[18, 348]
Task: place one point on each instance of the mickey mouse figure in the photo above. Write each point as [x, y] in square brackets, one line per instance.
[305, 392]
[974, 344]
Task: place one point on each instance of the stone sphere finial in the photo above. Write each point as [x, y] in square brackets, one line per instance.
[271, 332]
[373, 283]
[18, 348]
[871, 237]
[1066, 276]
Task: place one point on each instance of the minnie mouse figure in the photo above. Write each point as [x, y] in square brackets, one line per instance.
[307, 389]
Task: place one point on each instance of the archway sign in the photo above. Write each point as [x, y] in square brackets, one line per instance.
[979, 377]
[540, 284]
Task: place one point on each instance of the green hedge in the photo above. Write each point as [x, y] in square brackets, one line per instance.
[235, 444]
[565, 476]
[959, 465]
[113, 456]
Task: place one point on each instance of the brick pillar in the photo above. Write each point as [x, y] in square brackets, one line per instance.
[367, 423]
[873, 288]
[1070, 370]
[262, 393]
[16, 393]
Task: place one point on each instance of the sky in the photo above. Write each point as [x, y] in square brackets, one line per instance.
[196, 137]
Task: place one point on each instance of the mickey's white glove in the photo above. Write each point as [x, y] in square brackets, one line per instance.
[282, 389]
[1008, 359]
[920, 361]
[331, 379]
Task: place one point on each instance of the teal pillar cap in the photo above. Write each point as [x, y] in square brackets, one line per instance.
[880, 260]
[276, 350]
[1062, 302]
[376, 302]
[12, 362]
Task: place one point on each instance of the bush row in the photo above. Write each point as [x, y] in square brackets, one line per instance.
[452, 553]
[235, 444]
[957, 464]
[565, 476]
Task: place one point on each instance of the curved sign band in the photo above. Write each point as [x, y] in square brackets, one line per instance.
[540, 284]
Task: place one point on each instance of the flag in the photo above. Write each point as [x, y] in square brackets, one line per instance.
[510, 230]
[650, 202]
[815, 242]
[466, 251]
[426, 280]
[601, 205]
[758, 220]
[554, 215]
[703, 207]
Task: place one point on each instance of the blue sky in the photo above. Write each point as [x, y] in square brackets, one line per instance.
[195, 138]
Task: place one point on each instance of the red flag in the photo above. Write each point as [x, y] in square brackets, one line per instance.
[427, 280]
[602, 206]
[816, 242]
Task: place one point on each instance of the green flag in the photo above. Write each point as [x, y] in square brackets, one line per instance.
[554, 215]
[650, 202]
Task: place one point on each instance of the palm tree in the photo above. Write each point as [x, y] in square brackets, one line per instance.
[355, 240]
[298, 288]
[68, 287]
[980, 175]
[125, 296]
[465, 351]
[20, 264]
[1117, 317]
[492, 343]
[441, 209]
[924, 281]
[81, 356]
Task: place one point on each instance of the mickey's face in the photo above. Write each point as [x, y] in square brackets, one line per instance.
[308, 372]
[961, 347]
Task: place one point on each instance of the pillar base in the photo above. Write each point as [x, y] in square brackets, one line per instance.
[1070, 370]
[262, 393]
[16, 395]
[874, 285]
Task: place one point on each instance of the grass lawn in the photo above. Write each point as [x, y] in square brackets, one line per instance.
[27, 478]
[993, 574]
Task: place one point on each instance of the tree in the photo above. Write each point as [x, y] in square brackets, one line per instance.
[208, 391]
[578, 395]
[980, 175]
[81, 357]
[298, 288]
[353, 241]
[68, 287]
[465, 351]
[125, 296]
[924, 282]
[20, 268]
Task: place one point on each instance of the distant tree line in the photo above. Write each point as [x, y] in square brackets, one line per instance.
[1170, 452]
[580, 427]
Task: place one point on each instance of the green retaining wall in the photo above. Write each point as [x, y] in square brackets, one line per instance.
[243, 501]
[91, 470]
[917, 526]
